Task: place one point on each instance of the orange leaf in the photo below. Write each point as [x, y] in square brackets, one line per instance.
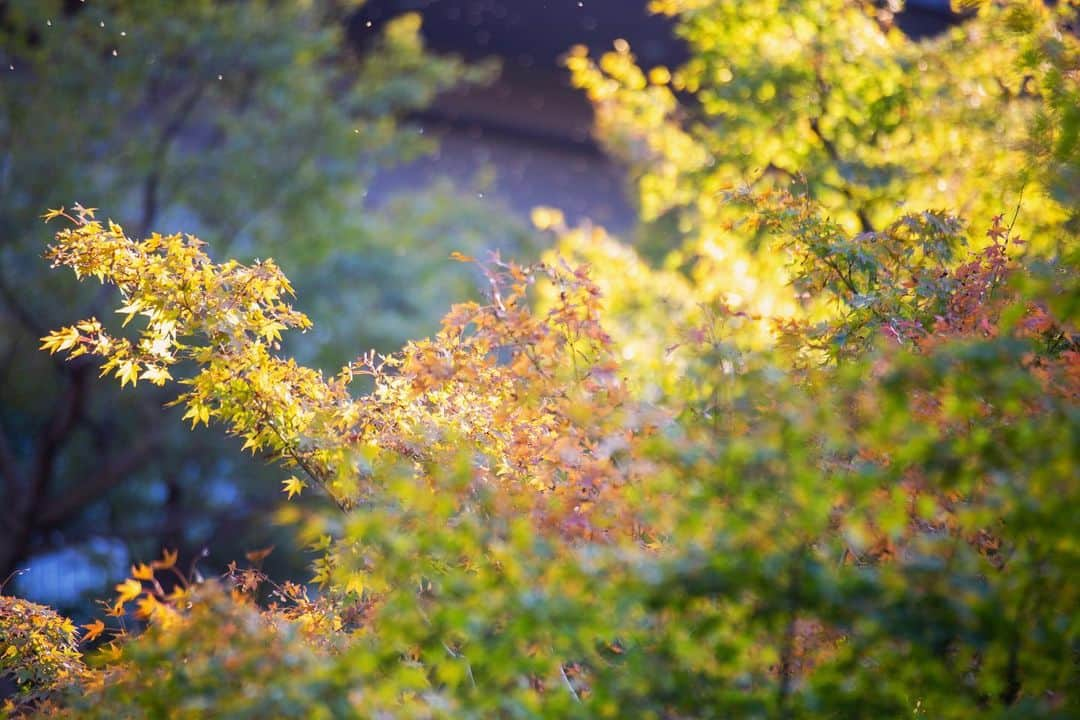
[461, 258]
[142, 571]
[168, 559]
[93, 630]
[257, 556]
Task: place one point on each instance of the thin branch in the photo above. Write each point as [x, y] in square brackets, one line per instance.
[569, 685]
[848, 283]
[468, 665]
[787, 649]
[834, 154]
[57, 430]
[1016, 213]
[845, 189]
[21, 314]
[161, 151]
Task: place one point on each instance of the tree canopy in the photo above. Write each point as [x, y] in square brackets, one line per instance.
[814, 457]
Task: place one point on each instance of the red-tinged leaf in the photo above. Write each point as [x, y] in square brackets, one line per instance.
[257, 556]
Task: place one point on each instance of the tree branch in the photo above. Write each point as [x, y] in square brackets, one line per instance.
[161, 151]
[58, 510]
[834, 156]
[20, 313]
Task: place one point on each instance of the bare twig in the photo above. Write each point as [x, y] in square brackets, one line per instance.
[569, 685]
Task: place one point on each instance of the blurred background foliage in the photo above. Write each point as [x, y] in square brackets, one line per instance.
[258, 126]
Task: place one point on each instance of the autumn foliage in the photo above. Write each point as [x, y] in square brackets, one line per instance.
[612, 489]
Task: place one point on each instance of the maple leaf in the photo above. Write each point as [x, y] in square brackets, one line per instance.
[168, 560]
[128, 590]
[130, 310]
[147, 606]
[355, 583]
[177, 594]
[293, 486]
[997, 229]
[142, 571]
[111, 653]
[256, 556]
[197, 413]
[93, 630]
[128, 372]
[84, 212]
[53, 214]
[156, 375]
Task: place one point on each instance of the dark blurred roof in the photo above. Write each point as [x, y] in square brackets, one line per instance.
[535, 33]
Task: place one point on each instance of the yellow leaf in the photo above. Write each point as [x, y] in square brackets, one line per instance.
[112, 653]
[84, 211]
[197, 414]
[461, 258]
[178, 593]
[147, 606]
[293, 486]
[142, 571]
[52, 214]
[128, 590]
[251, 440]
[355, 583]
[271, 330]
[71, 336]
[11, 651]
[130, 309]
[156, 374]
[128, 372]
[93, 630]
[60, 339]
[546, 218]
